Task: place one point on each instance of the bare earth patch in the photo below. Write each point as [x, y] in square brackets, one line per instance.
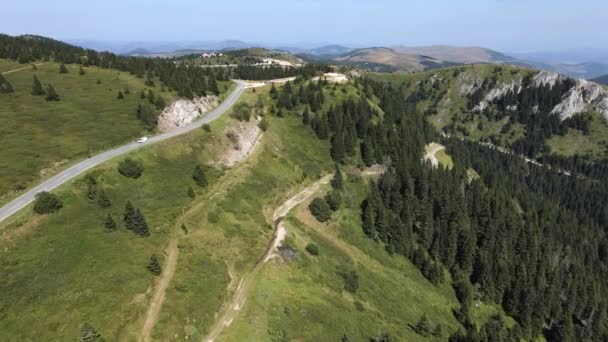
[245, 136]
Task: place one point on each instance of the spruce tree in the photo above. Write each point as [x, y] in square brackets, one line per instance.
[120, 96]
[337, 181]
[37, 87]
[51, 95]
[102, 199]
[199, 176]
[128, 215]
[306, 116]
[110, 224]
[154, 265]
[5, 86]
[140, 225]
[423, 327]
[63, 69]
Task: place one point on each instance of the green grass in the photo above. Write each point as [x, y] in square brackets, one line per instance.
[232, 228]
[39, 138]
[594, 145]
[67, 269]
[8, 65]
[305, 300]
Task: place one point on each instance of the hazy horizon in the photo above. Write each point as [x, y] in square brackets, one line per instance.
[503, 25]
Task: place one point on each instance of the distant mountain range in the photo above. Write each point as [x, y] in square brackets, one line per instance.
[387, 59]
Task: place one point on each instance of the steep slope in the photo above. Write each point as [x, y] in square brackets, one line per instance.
[535, 113]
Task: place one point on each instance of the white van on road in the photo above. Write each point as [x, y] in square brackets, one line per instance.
[142, 139]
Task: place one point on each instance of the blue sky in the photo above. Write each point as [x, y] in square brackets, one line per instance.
[507, 25]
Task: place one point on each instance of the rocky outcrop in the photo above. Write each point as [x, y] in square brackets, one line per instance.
[498, 92]
[582, 97]
[183, 112]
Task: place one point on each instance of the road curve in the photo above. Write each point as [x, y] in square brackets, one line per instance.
[75, 170]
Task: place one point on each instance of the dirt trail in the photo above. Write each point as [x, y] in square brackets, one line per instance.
[159, 290]
[19, 69]
[231, 308]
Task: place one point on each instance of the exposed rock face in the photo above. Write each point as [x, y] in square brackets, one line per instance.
[498, 92]
[183, 112]
[582, 97]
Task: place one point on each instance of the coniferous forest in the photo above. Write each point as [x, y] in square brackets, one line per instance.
[529, 238]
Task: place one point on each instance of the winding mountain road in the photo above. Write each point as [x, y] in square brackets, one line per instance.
[75, 170]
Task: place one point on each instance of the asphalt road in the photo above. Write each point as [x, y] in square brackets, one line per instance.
[67, 174]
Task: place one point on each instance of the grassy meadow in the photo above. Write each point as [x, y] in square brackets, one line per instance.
[40, 137]
[305, 299]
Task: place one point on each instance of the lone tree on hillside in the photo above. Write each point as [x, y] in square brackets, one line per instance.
[120, 96]
[89, 334]
[47, 203]
[199, 176]
[320, 209]
[63, 69]
[5, 86]
[37, 87]
[110, 224]
[336, 182]
[131, 168]
[154, 265]
[51, 94]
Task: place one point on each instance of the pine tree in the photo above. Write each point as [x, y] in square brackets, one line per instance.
[306, 116]
[89, 334]
[37, 87]
[51, 95]
[128, 215]
[110, 224]
[81, 71]
[154, 265]
[103, 200]
[120, 96]
[199, 176]
[63, 69]
[336, 182]
[160, 102]
[423, 327]
[140, 226]
[5, 86]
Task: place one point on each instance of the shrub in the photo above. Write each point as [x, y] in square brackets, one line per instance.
[191, 193]
[263, 124]
[351, 280]
[242, 111]
[320, 209]
[89, 334]
[213, 217]
[63, 69]
[154, 265]
[206, 128]
[131, 168]
[312, 249]
[47, 203]
[199, 176]
[423, 327]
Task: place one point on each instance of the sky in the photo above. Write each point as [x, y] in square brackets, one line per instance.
[504, 25]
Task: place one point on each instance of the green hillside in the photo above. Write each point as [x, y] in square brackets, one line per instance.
[451, 97]
[40, 137]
